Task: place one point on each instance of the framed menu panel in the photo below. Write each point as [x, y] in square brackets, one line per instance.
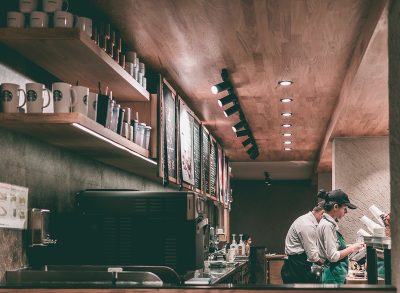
[197, 154]
[220, 168]
[186, 122]
[168, 139]
[213, 168]
[205, 150]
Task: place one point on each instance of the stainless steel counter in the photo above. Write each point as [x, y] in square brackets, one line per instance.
[211, 276]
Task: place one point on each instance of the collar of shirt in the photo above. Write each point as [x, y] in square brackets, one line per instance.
[331, 220]
[313, 219]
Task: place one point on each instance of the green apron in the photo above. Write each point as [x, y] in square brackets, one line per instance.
[336, 272]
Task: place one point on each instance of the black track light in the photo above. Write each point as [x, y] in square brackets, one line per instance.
[215, 89]
[248, 141]
[239, 125]
[231, 110]
[244, 132]
[254, 154]
[226, 100]
[267, 179]
[253, 149]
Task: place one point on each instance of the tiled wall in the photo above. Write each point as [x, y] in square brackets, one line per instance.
[361, 169]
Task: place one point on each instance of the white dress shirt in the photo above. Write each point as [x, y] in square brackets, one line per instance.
[327, 241]
[302, 237]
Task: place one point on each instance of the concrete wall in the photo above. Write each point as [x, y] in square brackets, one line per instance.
[325, 181]
[266, 213]
[53, 175]
[360, 167]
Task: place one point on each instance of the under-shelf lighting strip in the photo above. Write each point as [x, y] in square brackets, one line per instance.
[91, 132]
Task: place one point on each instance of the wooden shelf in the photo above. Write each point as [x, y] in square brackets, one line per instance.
[72, 56]
[77, 132]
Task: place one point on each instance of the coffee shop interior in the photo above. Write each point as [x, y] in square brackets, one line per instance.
[143, 142]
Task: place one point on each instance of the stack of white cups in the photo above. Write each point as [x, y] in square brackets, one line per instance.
[40, 19]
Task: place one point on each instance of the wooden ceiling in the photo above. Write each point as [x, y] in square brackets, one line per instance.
[334, 51]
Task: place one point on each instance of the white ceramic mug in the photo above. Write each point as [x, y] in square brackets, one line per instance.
[92, 106]
[80, 94]
[27, 6]
[84, 24]
[63, 19]
[62, 97]
[15, 19]
[39, 19]
[34, 97]
[9, 93]
[54, 5]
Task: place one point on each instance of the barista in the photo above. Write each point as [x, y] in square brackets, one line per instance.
[330, 241]
[301, 248]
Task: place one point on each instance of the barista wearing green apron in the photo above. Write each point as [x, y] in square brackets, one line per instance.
[331, 244]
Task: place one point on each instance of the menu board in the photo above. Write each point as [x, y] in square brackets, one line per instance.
[13, 206]
[220, 168]
[186, 121]
[213, 168]
[197, 154]
[170, 130]
[206, 161]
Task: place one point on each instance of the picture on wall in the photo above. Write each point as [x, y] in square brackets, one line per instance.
[205, 148]
[169, 121]
[186, 143]
[197, 154]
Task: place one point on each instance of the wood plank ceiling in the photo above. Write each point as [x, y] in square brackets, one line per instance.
[334, 51]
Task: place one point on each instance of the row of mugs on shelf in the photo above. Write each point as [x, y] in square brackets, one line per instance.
[68, 98]
[40, 19]
[50, 6]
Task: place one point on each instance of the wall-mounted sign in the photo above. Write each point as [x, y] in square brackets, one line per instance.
[205, 149]
[186, 144]
[197, 154]
[13, 206]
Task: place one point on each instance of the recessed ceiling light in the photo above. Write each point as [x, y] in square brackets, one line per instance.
[287, 142]
[287, 149]
[286, 100]
[287, 134]
[286, 125]
[286, 114]
[285, 82]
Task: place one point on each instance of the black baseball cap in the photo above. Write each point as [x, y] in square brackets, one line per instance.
[340, 197]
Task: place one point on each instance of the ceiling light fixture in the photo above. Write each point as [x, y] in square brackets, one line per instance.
[239, 125]
[286, 114]
[286, 100]
[226, 100]
[286, 125]
[241, 128]
[228, 112]
[215, 89]
[287, 149]
[253, 152]
[248, 141]
[287, 142]
[267, 179]
[285, 82]
[244, 132]
[287, 134]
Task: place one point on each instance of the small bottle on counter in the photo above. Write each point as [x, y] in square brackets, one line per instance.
[234, 246]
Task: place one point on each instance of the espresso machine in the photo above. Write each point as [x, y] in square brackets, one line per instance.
[125, 227]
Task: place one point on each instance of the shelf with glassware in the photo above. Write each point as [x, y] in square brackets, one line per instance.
[71, 55]
[79, 133]
[188, 154]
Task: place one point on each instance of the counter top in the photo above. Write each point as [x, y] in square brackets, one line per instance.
[215, 275]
